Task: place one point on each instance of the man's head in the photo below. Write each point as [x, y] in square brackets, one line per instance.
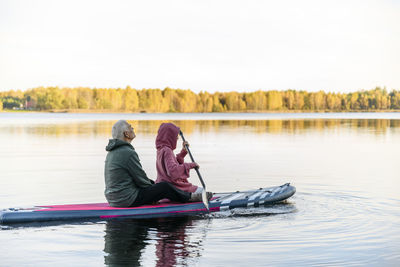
[122, 130]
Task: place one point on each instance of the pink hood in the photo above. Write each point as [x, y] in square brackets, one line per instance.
[167, 136]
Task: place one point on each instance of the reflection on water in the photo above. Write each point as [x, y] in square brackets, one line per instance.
[174, 241]
[377, 126]
[345, 212]
[126, 241]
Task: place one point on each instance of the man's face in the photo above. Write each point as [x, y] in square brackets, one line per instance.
[130, 134]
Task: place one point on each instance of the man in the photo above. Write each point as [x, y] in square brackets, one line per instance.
[126, 182]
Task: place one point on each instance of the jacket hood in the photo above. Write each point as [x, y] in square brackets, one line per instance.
[115, 143]
[167, 136]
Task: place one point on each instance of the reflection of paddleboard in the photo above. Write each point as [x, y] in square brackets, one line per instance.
[99, 211]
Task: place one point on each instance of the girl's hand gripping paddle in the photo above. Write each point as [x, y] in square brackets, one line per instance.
[203, 194]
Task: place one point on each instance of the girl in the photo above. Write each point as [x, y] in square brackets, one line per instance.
[171, 168]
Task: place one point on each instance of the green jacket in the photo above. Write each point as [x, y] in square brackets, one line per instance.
[123, 174]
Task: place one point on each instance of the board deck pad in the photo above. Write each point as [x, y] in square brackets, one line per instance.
[101, 211]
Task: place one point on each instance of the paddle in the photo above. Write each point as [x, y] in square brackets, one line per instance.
[203, 194]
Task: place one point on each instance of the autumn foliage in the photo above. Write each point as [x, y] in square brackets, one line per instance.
[178, 100]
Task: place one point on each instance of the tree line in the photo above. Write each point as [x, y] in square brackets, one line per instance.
[179, 100]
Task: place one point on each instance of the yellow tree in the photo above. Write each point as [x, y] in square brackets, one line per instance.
[172, 99]
[102, 99]
[52, 98]
[70, 98]
[188, 100]
[381, 100]
[274, 100]
[307, 101]
[257, 100]
[116, 96]
[319, 100]
[363, 100]
[217, 105]
[333, 102]
[85, 98]
[234, 101]
[242, 103]
[152, 100]
[130, 100]
[288, 98]
[354, 103]
[298, 100]
[395, 99]
[205, 102]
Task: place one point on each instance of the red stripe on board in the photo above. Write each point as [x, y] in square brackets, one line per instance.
[106, 206]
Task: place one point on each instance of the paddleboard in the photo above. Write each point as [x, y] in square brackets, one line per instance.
[103, 211]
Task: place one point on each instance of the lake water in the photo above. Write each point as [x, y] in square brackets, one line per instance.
[345, 166]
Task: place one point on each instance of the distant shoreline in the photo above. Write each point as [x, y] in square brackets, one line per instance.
[225, 112]
[86, 100]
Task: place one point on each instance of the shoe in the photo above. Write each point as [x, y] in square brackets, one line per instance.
[197, 197]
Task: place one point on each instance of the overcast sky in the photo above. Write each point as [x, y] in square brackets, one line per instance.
[215, 45]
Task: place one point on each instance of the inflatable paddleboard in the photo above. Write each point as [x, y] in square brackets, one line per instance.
[103, 211]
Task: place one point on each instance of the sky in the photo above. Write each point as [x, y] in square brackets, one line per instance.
[204, 45]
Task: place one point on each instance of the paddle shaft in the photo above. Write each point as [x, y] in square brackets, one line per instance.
[191, 157]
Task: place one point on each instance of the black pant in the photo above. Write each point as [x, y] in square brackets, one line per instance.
[160, 191]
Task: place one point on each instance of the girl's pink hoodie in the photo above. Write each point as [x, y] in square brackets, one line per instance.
[171, 168]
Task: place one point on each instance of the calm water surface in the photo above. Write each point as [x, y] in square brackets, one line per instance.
[345, 167]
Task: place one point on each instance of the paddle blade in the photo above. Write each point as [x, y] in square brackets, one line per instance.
[204, 198]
